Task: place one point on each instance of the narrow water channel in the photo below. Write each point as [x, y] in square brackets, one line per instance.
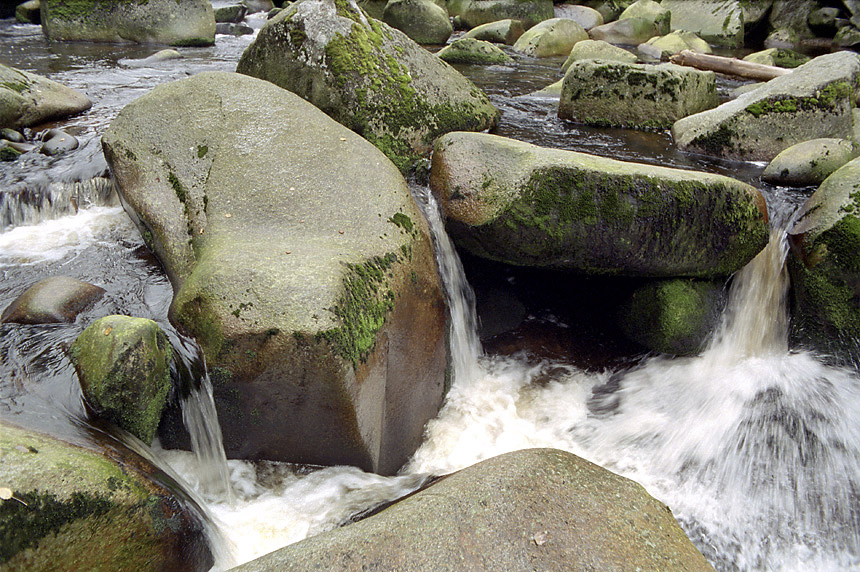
[756, 448]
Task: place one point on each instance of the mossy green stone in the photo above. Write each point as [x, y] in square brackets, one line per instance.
[472, 51]
[780, 57]
[825, 267]
[809, 163]
[123, 365]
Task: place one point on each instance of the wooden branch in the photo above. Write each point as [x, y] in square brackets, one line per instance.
[728, 66]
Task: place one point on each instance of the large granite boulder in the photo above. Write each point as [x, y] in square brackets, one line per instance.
[553, 37]
[813, 101]
[597, 50]
[809, 163]
[472, 51]
[309, 284]
[185, 23]
[537, 509]
[825, 267]
[53, 300]
[123, 366]
[630, 31]
[500, 32]
[677, 42]
[649, 10]
[78, 509]
[719, 22]
[28, 99]
[368, 76]
[637, 96]
[473, 13]
[530, 206]
[586, 17]
[792, 16]
[422, 20]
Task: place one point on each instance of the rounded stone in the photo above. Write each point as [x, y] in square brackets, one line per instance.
[52, 300]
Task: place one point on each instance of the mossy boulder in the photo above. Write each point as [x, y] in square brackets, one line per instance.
[718, 22]
[585, 16]
[825, 268]
[793, 17]
[675, 316]
[813, 101]
[368, 76]
[809, 163]
[597, 50]
[52, 300]
[310, 285]
[29, 12]
[530, 206]
[186, 23]
[473, 13]
[847, 37]
[779, 57]
[678, 41]
[80, 509]
[630, 31]
[422, 20]
[553, 37]
[28, 99]
[649, 10]
[500, 32]
[536, 509]
[123, 366]
[637, 96]
[472, 51]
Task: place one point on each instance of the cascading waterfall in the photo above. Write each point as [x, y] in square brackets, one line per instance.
[40, 201]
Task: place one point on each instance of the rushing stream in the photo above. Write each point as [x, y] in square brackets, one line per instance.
[756, 448]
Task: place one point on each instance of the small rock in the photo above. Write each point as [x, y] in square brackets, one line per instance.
[11, 135]
[230, 14]
[233, 29]
[58, 142]
[808, 163]
[52, 300]
[7, 152]
[472, 51]
[500, 32]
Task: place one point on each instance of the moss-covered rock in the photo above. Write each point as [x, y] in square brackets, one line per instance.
[597, 50]
[78, 509]
[530, 206]
[825, 267]
[793, 17]
[310, 285]
[652, 11]
[123, 366]
[28, 12]
[675, 316]
[678, 41]
[537, 509]
[637, 96]
[809, 163]
[368, 76]
[847, 37]
[52, 300]
[553, 37]
[630, 31]
[28, 99]
[472, 51]
[422, 20]
[473, 13]
[185, 23]
[813, 101]
[506, 31]
[718, 22]
[783, 58]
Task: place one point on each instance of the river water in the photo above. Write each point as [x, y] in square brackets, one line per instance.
[753, 446]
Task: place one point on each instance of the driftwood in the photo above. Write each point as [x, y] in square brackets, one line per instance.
[728, 66]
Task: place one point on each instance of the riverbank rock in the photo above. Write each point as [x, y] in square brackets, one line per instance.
[778, 57]
[230, 14]
[52, 300]
[553, 37]
[310, 286]
[825, 267]
[586, 17]
[77, 509]
[675, 316]
[809, 163]
[537, 509]
[472, 51]
[676, 42]
[472, 13]
[422, 20]
[636, 96]
[531, 206]
[28, 99]
[718, 22]
[652, 11]
[813, 101]
[123, 365]
[501, 32]
[597, 50]
[368, 76]
[29, 12]
[186, 23]
[630, 31]
[792, 17]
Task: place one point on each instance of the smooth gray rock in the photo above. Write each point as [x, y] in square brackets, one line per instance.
[814, 101]
[809, 163]
[553, 37]
[719, 22]
[652, 11]
[500, 32]
[525, 205]
[473, 13]
[630, 31]
[28, 99]
[310, 285]
[29, 12]
[230, 14]
[58, 142]
[597, 50]
[422, 20]
[536, 509]
[52, 300]
[472, 51]
[586, 17]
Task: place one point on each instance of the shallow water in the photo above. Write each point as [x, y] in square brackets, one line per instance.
[753, 446]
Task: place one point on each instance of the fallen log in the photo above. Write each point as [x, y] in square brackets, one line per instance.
[728, 66]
